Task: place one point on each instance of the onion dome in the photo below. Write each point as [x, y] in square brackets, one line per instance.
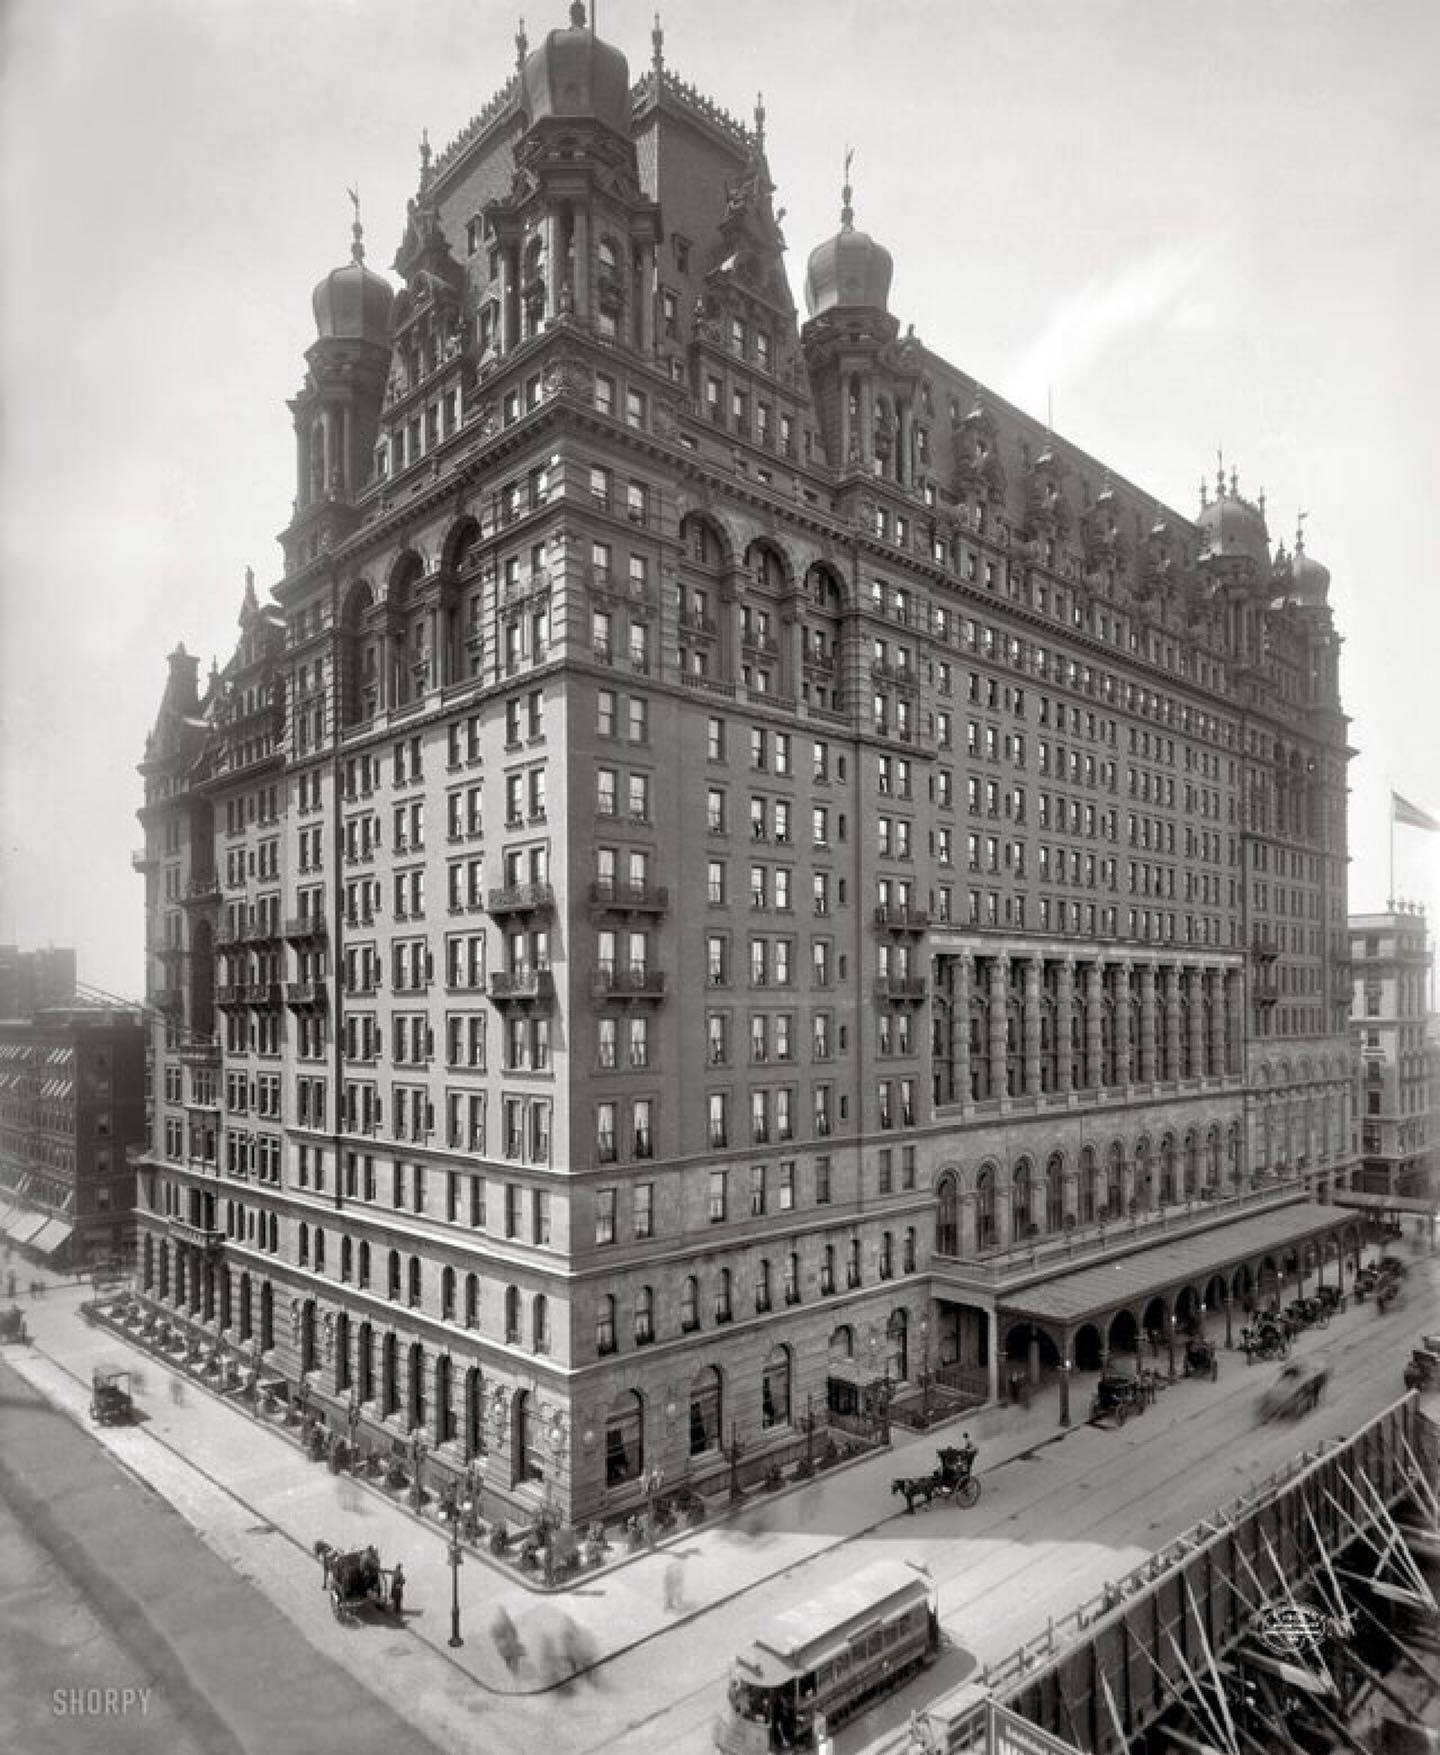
[1232, 528]
[1312, 581]
[353, 303]
[575, 75]
[850, 270]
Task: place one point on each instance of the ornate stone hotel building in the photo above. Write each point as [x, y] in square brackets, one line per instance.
[731, 866]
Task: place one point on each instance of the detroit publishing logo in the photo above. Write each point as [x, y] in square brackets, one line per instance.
[1294, 1629]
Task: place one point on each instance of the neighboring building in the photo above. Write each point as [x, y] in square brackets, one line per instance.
[32, 980]
[72, 1109]
[1399, 1097]
[730, 854]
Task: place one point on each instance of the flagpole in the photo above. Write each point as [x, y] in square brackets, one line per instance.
[1391, 902]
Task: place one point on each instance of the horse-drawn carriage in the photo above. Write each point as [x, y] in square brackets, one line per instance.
[12, 1324]
[1422, 1368]
[1268, 1339]
[1201, 1358]
[110, 1397]
[1308, 1312]
[1117, 1394]
[1389, 1290]
[354, 1580]
[1332, 1298]
[1296, 1391]
[954, 1480]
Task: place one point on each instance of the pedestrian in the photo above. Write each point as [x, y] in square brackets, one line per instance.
[968, 1453]
[675, 1586]
[507, 1641]
[177, 1392]
[397, 1589]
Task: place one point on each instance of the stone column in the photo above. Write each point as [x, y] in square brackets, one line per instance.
[960, 982]
[1124, 1061]
[999, 1024]
[1197, 1023]
[1065, 1025]
[1094, 1034]
[732, 598]
[647, 298]
[509, 299]
[554, 267]
[1235, 1018]
[1172, 1020]
[1147, 1023]
[1034, 967]
[1219, 1053]
[582, 265]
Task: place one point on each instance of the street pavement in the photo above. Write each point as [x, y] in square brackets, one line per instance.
[1063, 1513]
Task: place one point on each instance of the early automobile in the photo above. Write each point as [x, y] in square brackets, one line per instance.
[1119, 1395]
[1201, 1359]
[1296, 1391]
[110, 1397]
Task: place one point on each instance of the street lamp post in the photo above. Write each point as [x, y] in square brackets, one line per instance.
[1065, 1369]
[352, 1422]
[651, 1482]
[925, 1369]
[732, 1456]
[1170, 1344]
[453, 1511]
[809, 1432]
[417, 1458]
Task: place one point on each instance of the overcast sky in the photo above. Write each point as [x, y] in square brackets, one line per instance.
[1189, 226]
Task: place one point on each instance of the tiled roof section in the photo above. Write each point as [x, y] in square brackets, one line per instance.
[1089, 1292]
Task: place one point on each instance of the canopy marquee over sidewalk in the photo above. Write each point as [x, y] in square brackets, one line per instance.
[1095, 1292]
[1388, 1203]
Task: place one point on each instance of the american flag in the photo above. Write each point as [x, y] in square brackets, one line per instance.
[1402, 811]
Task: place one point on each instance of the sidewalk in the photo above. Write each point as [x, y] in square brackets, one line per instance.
[600, 1616]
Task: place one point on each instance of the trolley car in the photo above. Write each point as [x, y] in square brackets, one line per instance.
[828, 1657]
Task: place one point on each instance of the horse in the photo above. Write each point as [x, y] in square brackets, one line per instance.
[915, 1487]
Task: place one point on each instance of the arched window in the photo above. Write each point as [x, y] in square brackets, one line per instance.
[775, 1390]
[319, 1250]
[1087, 1186]
[1115, 1182]
[947, 1216]
[540, 1323]
[897, 1347]
[363, 1274]
[302, 1254]
[722, 1296]
[342, 1352]
[394, 1273]
[472, 1300]
[1022, 1199]
[444, 1404]
[447, 1294]
[985, 1209]
[414, 1282]
[605, 1325]
[512, 1315]
[624, 1440]
[1192, 1165]
[827, 1269]
[389, 1378]
[529, 1441]
[644, 1316]
[1055, 1193]
[908, 1259]
[347, 1259]
[690, 1305]
[416, 1408]
[1167, 1170]
[706, 1412]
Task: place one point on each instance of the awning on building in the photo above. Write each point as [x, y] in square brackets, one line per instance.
[51, 1236]
[1386, 1203]
[1085, 1293]
[24, 1226]
[854, 1371]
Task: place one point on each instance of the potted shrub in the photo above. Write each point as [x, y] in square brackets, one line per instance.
[805, 1468]
[395, 1476]
[597, 1544]
[774, 1477]
[499, 1538]
[634, 1533]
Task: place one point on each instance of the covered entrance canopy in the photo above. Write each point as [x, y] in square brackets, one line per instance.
[51, 1237]
[1085, 1294]
[1386, 1203]
[24, 1227]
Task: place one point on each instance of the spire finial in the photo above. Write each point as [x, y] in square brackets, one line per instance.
[760, 121]
[522, 45]
[847, 212]
[357, 231]
[1260, 501]
[657, 47]
[424, 160]
[1204, 493]
[1219, 472]
[1234, 482]
[1300, 518]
